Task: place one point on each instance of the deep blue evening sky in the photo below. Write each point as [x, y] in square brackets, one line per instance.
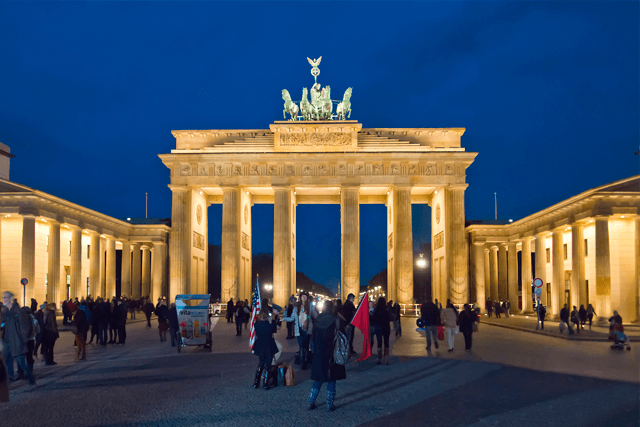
[548, 92]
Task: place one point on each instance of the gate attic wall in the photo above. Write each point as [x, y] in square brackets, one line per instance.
[238, 168]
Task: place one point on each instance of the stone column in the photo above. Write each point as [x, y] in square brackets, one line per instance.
[111, 268]
[557, 262]
[512, 276]
[495, 296]
[159, 270]
[136, 271]
[28, 265]
[94, 265]
[53, 270]
[637, 227]
[487, 274]
[102, 257]
[180, 237]
[403, 250]
[456, 245]
[350, 233]
[281, 244]
[578, 283]
[76, 262]
[230, 275]
[603, 268]
[541, 267]
[146, 272]
[502, 272]
[125, 270]
[478, 274]
[527, 306]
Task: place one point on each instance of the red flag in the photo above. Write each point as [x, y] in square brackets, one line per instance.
[361, 321]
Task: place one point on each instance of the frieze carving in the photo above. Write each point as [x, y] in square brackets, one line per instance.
[448, 170]
[237, 170]
[360, 170]
[430, 170]
[323, 170]
[185, 170]
[438, 240]
[202, 170]
[390, 242]
[220, 170]
[395, 170]
[245, 241]
[413, 170]
[289, 170]
[255, 170]
[307, 170]
[198, 240]
[342, 169]
[315, 139]
[376, 170]
[273, 170]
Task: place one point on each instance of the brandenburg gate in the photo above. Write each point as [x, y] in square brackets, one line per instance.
[317, 158]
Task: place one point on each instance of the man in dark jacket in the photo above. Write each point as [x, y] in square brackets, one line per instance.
[104, 314]
[564, 316]
[15, 326]
[348, 311]
[431, 316]
[174, 325]
[120, 313]
[148, 310]
[82, 327]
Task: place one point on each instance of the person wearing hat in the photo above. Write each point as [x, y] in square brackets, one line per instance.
[300, 316]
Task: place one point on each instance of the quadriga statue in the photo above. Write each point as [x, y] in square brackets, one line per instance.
[289, 106]
[343, 110]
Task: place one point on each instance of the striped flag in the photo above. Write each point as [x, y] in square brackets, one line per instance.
[255, 309]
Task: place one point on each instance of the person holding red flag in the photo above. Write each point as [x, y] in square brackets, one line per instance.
[361, 321]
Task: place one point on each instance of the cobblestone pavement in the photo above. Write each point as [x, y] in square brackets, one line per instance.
[147, 383]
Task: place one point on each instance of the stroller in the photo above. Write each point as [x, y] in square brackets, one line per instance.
[620, 339]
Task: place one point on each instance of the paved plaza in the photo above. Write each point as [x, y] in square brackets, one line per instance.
[509, 378]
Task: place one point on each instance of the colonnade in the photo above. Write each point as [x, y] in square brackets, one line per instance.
[574, 262]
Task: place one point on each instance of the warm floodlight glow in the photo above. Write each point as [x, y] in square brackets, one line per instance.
[128, 219]
[268, 287]
[510, 220]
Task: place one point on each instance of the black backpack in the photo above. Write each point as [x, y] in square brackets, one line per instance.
[340, 348]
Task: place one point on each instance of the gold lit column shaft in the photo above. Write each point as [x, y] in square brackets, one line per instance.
[282, 208]
[478, 274]
[28, 265]
[541, 268]
[502, 272]
[53, 271]
[125, 270]
[111, 268]
[146, 272]
[603, 268]
[230, 252]
[180, 237]
[527, 306]
[350, 224]
[557, 263]
[455, 245]
[578, 283]
[512, 276]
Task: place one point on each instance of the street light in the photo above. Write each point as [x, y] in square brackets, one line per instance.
[268, 287]
[421, 262]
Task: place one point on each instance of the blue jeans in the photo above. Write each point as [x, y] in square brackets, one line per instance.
[22, 363]
[331, 386]
[431, 331]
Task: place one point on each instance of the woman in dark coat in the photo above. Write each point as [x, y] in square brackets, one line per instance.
[380, 320]
[466, 319]
[239, 318]
[582, 314]
[264, 347]
[322, 367]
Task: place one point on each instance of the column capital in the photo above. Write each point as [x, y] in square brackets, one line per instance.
[524, 238]
[177, 188]
[350, 187]
[281, 187]
[457, 186]
[479, 243]
[486, 250]
[493, 248]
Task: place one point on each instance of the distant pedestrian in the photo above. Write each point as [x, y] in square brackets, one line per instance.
[380, 320]
[148, 311]
[397, 316]
[81, 329]
[348, 311]
[466, 319]
[575, 319]
[590, 313]
[508, 306]
[163, 324]
[498, 309]
[450, 324]
[230, 307]
[246, 309]
[287, 313]
[17, 327]
[582, 314]
[489, 308]
[39, 316]
[564, 318]
[174, 325]
[121, 321]
[323, 369]
[50, 334]
[239, 318]
[542, 311]
[372, 328]
[431, 316]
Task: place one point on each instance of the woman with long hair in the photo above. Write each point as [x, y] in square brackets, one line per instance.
[301, 318]
[380, 320]
[263, 347]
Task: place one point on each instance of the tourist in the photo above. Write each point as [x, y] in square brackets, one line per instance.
[582, 315]
[81, 329]
[114, 322]
[230, 311]
[39, 316]
[466, 319]
[239, 318]
[564, 318]
[95, 323]
[498, 309]
[16, 330]
[348, 311]
[120, 315]
[50, 334]
[300, 317]
[163, 325]
[508, 308]
[30, 331]
[489, 307]
[322, 368]
[542, 311]
[174, 325]
[397, 324]
[65, 312]
[148, 310]
[380, 320]
[615, 323]
[131, 306]
[263, 347]
[450, 324]
[246, 309]
[290, 334]
[590, 312]
[372, 328]
[575, 319]
[431, 316]
[104, 313]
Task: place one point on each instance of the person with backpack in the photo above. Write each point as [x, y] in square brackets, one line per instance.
[380, 320]
[323, 367]
[30, 329]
